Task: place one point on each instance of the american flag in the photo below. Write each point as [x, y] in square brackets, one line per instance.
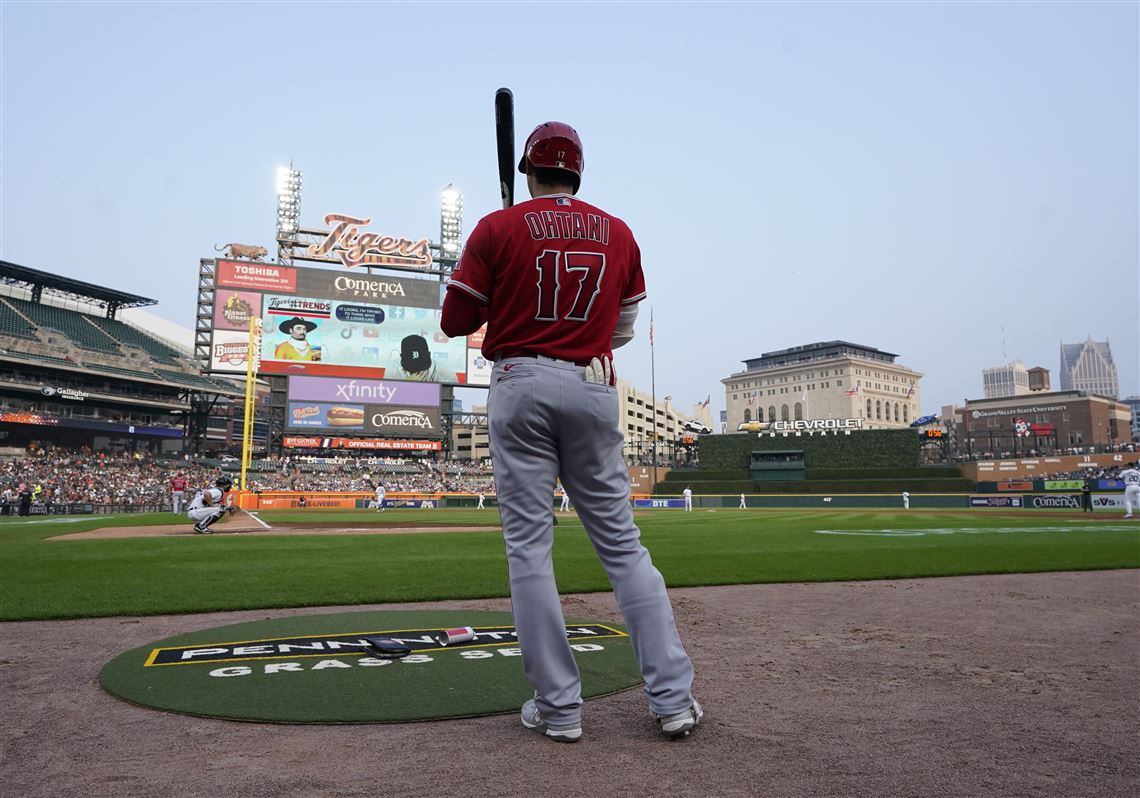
[910, 393]
[853, 391]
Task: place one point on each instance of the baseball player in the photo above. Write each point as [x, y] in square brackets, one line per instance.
[688, 494]
[177, 492]
[743, 503]
[906, 500]
[209, 505]
[481, 500]
[557, 282]
[380, 493]
[1131, 479]
[565, 508]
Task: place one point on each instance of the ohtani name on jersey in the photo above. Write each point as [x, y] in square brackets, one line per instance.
[570, 225]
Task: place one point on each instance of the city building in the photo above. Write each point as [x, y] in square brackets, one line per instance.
[647, 429]
[1088, 367]
[1133, 403]
[1008, 380]
[1042, 423]
[830, 379]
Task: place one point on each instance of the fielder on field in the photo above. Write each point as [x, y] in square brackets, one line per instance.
[565, 500]
[379, 502]
[688, 494]
[906, 500]
[557, 282]
[1131, 478]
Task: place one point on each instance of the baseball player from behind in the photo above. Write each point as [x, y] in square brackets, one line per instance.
[209, 505]
[1131, 478]
[557, 282]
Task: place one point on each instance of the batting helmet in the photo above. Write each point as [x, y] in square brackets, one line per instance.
[554, 145]
[225, 483]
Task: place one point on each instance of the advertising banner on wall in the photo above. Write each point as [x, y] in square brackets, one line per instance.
[1114, 501]
[1058, 501]
[1064, 484]
[379, 419]
[313, 442]
[995, 501]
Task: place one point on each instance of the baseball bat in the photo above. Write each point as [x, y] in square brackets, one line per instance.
[505, 144]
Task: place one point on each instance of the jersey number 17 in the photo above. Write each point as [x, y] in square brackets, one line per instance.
[553, 266]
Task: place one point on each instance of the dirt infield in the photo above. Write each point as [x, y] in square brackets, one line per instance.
[247, 526]
[1021, 685]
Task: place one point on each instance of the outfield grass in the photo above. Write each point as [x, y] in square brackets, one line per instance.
[88, 578]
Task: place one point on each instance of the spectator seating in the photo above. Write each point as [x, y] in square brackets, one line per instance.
[38, 358]
[194, 380]
[132, 336]
[147, 375]
[76, 326]
[12, 323]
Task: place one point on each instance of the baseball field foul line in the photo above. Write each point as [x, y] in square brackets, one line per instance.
[255, 518]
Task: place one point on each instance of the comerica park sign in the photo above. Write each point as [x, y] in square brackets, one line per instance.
[814, 426]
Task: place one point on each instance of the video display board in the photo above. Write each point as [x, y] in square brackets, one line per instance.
[375, 407]
[324, 322]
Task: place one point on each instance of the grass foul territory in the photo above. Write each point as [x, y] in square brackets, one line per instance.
[42, 578]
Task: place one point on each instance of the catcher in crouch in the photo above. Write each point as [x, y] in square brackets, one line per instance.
[210, 504]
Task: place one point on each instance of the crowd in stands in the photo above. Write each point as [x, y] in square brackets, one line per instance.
[1096, 472]
[48, 475]
[1070, 450]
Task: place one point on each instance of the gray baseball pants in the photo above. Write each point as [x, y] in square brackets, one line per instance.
[546, 421]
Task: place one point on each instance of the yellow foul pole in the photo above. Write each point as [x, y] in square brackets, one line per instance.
[252, 362]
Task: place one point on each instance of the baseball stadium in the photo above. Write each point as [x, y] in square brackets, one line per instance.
[340, 584]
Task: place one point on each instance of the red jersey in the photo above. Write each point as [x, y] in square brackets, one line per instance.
[554, 273]
[178, 483]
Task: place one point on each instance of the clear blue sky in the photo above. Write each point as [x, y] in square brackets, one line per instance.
[913, 177]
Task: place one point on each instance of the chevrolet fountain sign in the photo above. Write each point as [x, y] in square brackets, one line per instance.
[815, 426]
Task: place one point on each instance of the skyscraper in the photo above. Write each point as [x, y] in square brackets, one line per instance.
[1089, 367]
[1008, 380]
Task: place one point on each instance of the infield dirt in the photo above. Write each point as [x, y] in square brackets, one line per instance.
[978, 686]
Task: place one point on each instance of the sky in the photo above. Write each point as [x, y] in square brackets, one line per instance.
[955, 183]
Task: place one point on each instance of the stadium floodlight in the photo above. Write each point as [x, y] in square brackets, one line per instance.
[288, 201]
[450, 221]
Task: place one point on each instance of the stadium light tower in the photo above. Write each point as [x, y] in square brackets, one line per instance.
[450, 222]
[288, 210]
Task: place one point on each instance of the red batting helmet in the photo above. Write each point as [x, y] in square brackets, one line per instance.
[554, 145]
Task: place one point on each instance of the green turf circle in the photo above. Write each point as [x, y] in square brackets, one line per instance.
[255, 679]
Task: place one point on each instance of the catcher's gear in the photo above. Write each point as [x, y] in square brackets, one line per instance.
[554, 145]
[225, 483]
[233, 508]
[600, 371]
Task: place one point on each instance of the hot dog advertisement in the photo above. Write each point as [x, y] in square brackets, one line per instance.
[387, 419]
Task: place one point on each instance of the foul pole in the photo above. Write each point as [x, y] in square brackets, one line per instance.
[252, 362]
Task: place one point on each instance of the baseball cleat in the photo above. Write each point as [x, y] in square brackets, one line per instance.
[680, 724]
[531, 718]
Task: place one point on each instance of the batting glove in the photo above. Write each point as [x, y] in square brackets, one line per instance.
[600, 371]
